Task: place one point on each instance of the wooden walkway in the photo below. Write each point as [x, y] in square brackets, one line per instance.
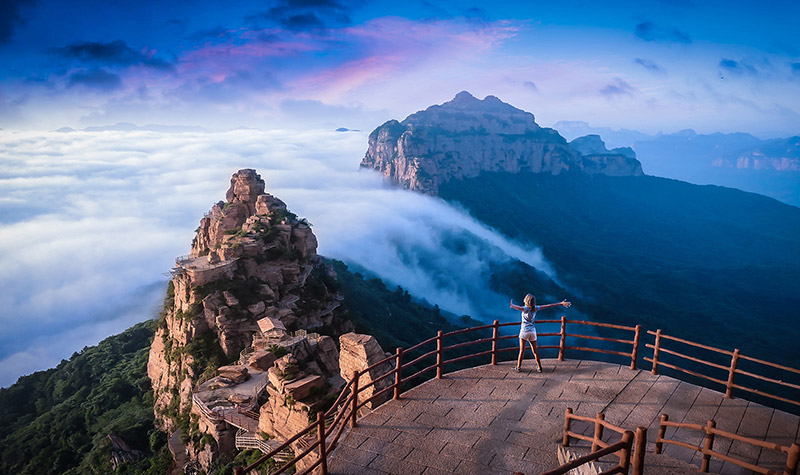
[492, 419]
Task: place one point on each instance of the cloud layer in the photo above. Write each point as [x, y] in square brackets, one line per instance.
[90, 221]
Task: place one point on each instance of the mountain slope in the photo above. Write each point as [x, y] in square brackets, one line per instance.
[701, 261]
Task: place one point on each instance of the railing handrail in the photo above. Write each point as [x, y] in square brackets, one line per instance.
[707, 449]
[592, 456]
[732, 368]
[351, 403]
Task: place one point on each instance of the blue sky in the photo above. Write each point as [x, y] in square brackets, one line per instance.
[649, 65]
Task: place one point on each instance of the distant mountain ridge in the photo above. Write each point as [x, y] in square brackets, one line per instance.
[686, 258]
[466, 136]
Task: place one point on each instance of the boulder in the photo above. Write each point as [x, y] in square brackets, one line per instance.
[236, 373]
[261, 360]
[302, 388]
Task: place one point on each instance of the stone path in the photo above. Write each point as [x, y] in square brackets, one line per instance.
[492, 419]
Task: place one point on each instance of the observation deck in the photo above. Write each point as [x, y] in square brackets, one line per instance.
[492, 419]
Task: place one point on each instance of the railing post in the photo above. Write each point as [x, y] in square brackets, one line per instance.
[321, 433]
[662, 429]
[495, 330]
[598, 430]
[354, 415]
[562, 346]
[439, 355]
[792, 460]
[398, 377]
[635, 352]
[656, 351]
[639, 445]
[567, 421]
[708, 445]
[732, 373]
[625, 459]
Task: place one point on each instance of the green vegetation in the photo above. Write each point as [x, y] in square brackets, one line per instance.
[56, 421]
[711, 264]
[393, 317]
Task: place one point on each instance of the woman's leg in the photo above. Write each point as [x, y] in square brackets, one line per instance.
[521, 353]
[535, 350]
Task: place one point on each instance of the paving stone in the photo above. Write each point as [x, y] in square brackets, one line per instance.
[473, 454]
[383, 433]
[353, 439]
[427, 443]
[433, 471]
[466, 467]
[443, 462]
[337, 466]
[378, 446]
[359, 457]
[499, 447]
[413, 427]
[465, 438]
[432, 420]
[396, 466]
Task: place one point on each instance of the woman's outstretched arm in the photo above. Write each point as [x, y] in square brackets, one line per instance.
[516, 307]
[563, 303]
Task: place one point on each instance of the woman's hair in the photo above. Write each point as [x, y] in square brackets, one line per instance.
[530, 301]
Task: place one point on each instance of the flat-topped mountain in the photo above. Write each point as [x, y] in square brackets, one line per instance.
[466, 136]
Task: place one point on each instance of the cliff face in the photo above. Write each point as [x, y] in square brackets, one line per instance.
[461, 138]
[781, 155]
[253, 279]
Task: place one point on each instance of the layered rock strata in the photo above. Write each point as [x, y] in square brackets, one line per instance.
[466, 136]
[251, 290]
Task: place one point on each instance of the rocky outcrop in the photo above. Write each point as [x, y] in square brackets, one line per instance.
[593, 145]
[358, 352]
[466, 136]
[782, 155]
[597, 159]
[252, 285]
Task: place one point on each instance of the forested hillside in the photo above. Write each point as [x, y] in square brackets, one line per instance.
[57, 421]
[713, 264]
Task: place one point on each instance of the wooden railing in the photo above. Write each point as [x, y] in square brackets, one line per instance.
[329, 426]
[792, 452]
[732, 368]
[600, 423]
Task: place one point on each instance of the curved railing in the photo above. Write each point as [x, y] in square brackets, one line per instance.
[726, 372]
[323, 435]
[791, 453]
[330, 425]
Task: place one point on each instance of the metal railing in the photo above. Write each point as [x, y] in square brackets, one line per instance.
[707, 449]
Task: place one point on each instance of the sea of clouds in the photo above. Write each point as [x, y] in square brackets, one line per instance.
[91, 221]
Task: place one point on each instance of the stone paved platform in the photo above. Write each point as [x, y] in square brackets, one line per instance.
[492, 419]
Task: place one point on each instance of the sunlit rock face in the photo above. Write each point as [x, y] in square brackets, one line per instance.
[253, 282]
[466, 136]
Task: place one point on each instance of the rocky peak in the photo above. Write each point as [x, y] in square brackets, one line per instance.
[246, 187]
[252, 283]
[593, 145]
[467, 136]
[466, 113]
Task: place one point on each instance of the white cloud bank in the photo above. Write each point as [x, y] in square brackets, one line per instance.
[90, 221]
